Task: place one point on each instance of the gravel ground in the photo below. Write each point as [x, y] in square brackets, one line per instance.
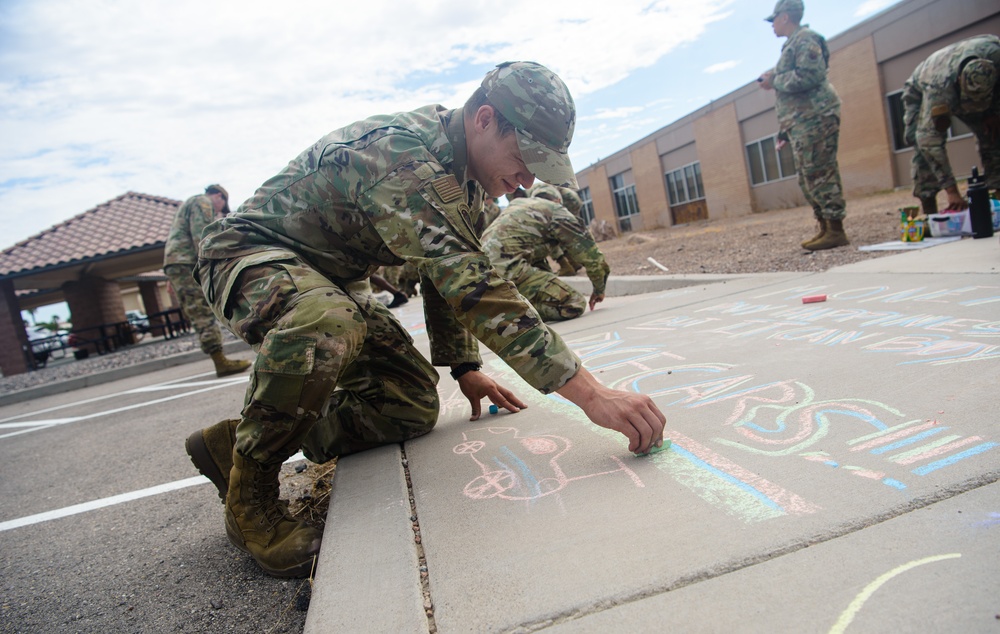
[763, 242]
[759, 243]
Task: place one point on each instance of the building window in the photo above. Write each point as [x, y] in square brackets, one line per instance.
[896, 110]
[626, 204]
[768, 164]
[684, 184]
[587, 211]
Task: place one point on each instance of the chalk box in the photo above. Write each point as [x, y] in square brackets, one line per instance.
[954, 224]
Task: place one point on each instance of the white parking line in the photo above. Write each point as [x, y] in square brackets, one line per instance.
[176, 383]
[111, 501]
[35, 425]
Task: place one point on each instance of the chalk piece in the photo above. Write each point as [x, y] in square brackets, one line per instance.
[494, 409]
[811, 299]
[655, 449]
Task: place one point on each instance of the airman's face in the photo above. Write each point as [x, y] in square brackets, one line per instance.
[218, 203]
[781, 25]
[495, 161]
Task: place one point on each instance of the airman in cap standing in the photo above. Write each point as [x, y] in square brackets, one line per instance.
[180, 256]
[336, 372]
[958, 80]
[808, 112]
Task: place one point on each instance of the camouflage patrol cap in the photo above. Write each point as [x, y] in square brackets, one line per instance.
[546, 191]
[538, 104]
[215, 188]
[976, 84]
[793, 7]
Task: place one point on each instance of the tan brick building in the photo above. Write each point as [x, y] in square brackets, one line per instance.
[720, 161]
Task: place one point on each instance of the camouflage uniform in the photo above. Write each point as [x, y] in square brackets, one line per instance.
[523, 237]
[569, 199]
[335, 371]
[490, 211]
[808, 112]
[932, 90]
[180, 256]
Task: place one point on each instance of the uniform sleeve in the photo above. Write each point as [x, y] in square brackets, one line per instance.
[931, 145]
[451, 342]
[421, 213]
[202, 214]
[807, 69]
[576, 240]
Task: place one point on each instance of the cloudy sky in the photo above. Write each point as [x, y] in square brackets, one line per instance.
[100, 97]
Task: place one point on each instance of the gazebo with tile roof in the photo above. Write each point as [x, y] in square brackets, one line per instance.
[83, 261]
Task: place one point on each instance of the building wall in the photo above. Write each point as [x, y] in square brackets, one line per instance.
[650, 188]
[723, 166]
[865, 153]
[600, 193]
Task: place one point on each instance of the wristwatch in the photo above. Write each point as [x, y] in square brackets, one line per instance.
[464, 368]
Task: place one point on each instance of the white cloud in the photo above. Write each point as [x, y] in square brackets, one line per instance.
[721, 66]
[611, 113]
[869, 7]
[99, 97]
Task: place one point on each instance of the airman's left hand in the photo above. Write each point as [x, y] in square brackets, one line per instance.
[476, 386]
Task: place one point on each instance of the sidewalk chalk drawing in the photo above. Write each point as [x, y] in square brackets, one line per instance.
[518, 467]
[847, 616]
[780, 419]
[917, 338]
[865, 318]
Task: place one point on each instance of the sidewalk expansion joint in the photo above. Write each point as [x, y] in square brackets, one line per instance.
[425, 585]
[735, 565]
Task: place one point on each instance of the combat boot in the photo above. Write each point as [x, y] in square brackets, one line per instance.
[822, 232]
[211, 451]
[259, 524]
[834, 237]
[225, 367]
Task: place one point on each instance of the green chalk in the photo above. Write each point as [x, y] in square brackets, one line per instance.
[655, 449]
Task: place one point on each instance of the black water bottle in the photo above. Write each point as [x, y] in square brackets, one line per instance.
[980, 212]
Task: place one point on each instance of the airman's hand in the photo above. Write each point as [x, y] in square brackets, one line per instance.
[596, 299]
[956, 202]
[476, 386]
[633, 415]
[766, 79]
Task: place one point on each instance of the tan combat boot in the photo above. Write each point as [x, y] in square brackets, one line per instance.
[225, 367]
[259, 524]
[822, 232]
[211, 451]
[834, 237]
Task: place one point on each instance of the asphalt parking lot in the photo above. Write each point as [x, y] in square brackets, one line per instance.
[105, 526]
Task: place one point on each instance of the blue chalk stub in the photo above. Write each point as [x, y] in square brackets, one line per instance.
[494, 409]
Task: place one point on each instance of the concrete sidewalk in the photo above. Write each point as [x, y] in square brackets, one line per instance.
[834, 468]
